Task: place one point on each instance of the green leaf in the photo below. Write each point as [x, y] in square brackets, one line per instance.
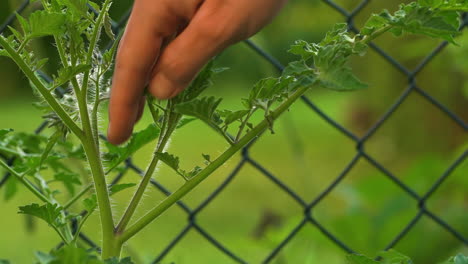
[173, 162]
[267, 91]
[90, 203]
[392, 257]
[49, 212]
[68, 73]
[108, 27]
[114, 260]
[340, 79]
[120, 187]
[44, 258]
[433, 18]
[203, 109]
[10, 189]
[169, 159]
[73, 255]
[117, 154]
[15, 32]
[233, 116]
[3, 132]
[77, 6]
[460, 259]
[297, 68]
[302, 48]
[4, 261]
[374, 23]
[452, 5]
[185, 121]
[44, 23]
[360, 259]
[39, 64]
[24, 24]
[207, 159]
[199, 84]
[69, 180]
[4, 53]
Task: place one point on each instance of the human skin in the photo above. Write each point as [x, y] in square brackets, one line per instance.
[167, 42]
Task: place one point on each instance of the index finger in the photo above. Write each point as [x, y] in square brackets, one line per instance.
[137, 53]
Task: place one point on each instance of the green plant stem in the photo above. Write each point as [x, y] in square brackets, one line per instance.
[144, 182]
[192, 183]
[94, 113]
[90, 145]
[102, 194]
[80, 226]
[376, 34]
[25, 182]
[9, 151]
[60, 235]
[94, 159]
[67, 120]
[244, 123]
[23, 44]
[92, 45]
[77, 196]
[222, 133]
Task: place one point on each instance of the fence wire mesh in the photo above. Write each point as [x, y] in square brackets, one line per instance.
[308, 206]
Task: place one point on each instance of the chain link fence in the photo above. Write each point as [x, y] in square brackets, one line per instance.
[420, 200]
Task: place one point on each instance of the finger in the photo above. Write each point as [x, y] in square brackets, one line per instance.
[141, 108]
[204, 37]
[136, 56]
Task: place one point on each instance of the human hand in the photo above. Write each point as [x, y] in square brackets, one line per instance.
[167, 42]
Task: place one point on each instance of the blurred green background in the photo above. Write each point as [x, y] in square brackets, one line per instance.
[252, 215]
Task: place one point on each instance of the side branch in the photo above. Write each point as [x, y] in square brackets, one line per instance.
[51, 100]
[192, 183]
[25, 182]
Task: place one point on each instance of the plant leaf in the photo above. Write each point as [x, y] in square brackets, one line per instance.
[67, 73]
[193, 172]
[43, 258]
[203, 109]
[392, 256]
[120, 187]
[169, 159]
[232, 116]
[3, 132]
[49, 212]
[24, 24]
[126, 260]
[117, 154]
[199, 84]
[69, 180]
[44, 23]
[73, 255]
[185, 121]
[302, 48]
[78, 7]
[433, 18]
[460, 259]
[108, 27]
[90, 203]
[340, 79]
[11, 188]
[360, 259]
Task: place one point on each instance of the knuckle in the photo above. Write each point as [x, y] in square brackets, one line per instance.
[217, 30]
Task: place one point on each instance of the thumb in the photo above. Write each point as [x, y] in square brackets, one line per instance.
[205, 36]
